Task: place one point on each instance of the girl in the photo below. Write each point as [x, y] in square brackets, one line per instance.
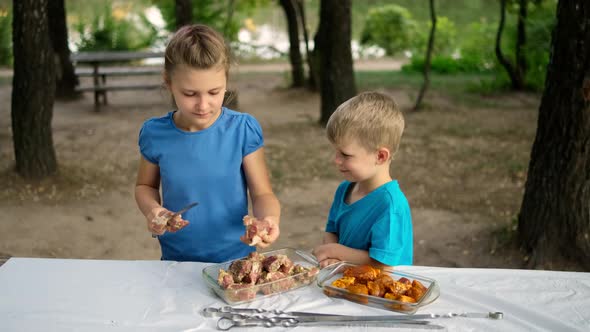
[203, 152]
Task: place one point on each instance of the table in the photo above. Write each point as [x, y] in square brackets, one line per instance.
[96, 59]
[39, 294]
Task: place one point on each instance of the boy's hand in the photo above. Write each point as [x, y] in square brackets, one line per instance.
[328, 262]
[327, 254]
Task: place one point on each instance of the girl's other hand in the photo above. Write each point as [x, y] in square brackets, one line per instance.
[273, 233]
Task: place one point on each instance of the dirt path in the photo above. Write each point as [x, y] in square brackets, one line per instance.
[461, 169]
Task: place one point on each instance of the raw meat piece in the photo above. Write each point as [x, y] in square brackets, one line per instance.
[256, 230]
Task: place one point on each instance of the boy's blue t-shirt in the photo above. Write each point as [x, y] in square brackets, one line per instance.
[380, 223]
[205, 167]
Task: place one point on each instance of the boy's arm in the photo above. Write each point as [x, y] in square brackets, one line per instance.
[332, 252]
[330, 238]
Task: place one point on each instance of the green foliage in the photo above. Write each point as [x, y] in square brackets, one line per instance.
[445, 42]
[474, 51]
[5, 37]
[540, 24]
[106, 32]
[213, 13]
[390, 27]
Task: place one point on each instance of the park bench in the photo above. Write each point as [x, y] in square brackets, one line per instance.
[99, 72]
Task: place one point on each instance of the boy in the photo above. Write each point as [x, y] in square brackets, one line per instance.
[370, 220]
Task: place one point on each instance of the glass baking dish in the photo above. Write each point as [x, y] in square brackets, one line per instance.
[246, 292]
[331, 273]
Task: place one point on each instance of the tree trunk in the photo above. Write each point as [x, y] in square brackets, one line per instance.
[33, 90]
[231, 6]
[428, 57]
[515, 78]
[336, 68]
[58, 31]
[184, 13]
[313, 71]
[294, 52]
[521, 65]
[554, 219]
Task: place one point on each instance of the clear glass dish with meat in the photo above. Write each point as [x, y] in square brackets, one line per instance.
[260, 275]
[385, 289]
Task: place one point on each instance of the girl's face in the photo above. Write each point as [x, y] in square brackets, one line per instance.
[354, 162]
[198, 94]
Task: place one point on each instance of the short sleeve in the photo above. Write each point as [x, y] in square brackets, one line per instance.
[253, 132]
[389, 237]
[331, 226]
[331, 223]
[145, 144]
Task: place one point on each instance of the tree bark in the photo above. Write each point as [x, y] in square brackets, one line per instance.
[184, 13]
[295, 58]
[33, 90]
[554, 219]
[516, 79]
[336, 67]
[313, 71]
[428, 57]
[58, 31]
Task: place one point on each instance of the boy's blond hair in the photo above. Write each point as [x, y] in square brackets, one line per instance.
[371, 118]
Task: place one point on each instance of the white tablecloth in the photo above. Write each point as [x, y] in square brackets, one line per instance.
[97, 295]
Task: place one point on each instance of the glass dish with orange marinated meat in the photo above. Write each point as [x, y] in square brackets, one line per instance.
[386, 289]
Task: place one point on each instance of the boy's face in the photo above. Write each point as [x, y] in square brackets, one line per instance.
[354, 162]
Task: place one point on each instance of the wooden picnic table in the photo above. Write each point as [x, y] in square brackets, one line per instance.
[99, 72]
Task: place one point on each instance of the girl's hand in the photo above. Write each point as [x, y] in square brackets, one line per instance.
[157, 221]
[273, 232]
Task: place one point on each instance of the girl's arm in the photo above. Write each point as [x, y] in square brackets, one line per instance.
[147, 194]
[265, 204]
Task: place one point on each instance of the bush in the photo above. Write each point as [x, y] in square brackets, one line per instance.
[122, 33]
[390, 27]
[444, 39]
[5, 37]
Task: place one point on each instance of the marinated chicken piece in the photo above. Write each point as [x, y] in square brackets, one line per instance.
[240, 292]
[239, 268]
[256, 256]
[224, 279]
[278, 263]
[358, 293]
[245, 271]
[343, 282]
[417, 290]
[362, 273]
[384, 280]
[277, 282]
[256, 230]
[276, 273]
[375, 288]
[398, 288]
[304, 274]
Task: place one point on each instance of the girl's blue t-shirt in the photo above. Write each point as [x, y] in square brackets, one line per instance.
[205, 167]
[380, 223]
